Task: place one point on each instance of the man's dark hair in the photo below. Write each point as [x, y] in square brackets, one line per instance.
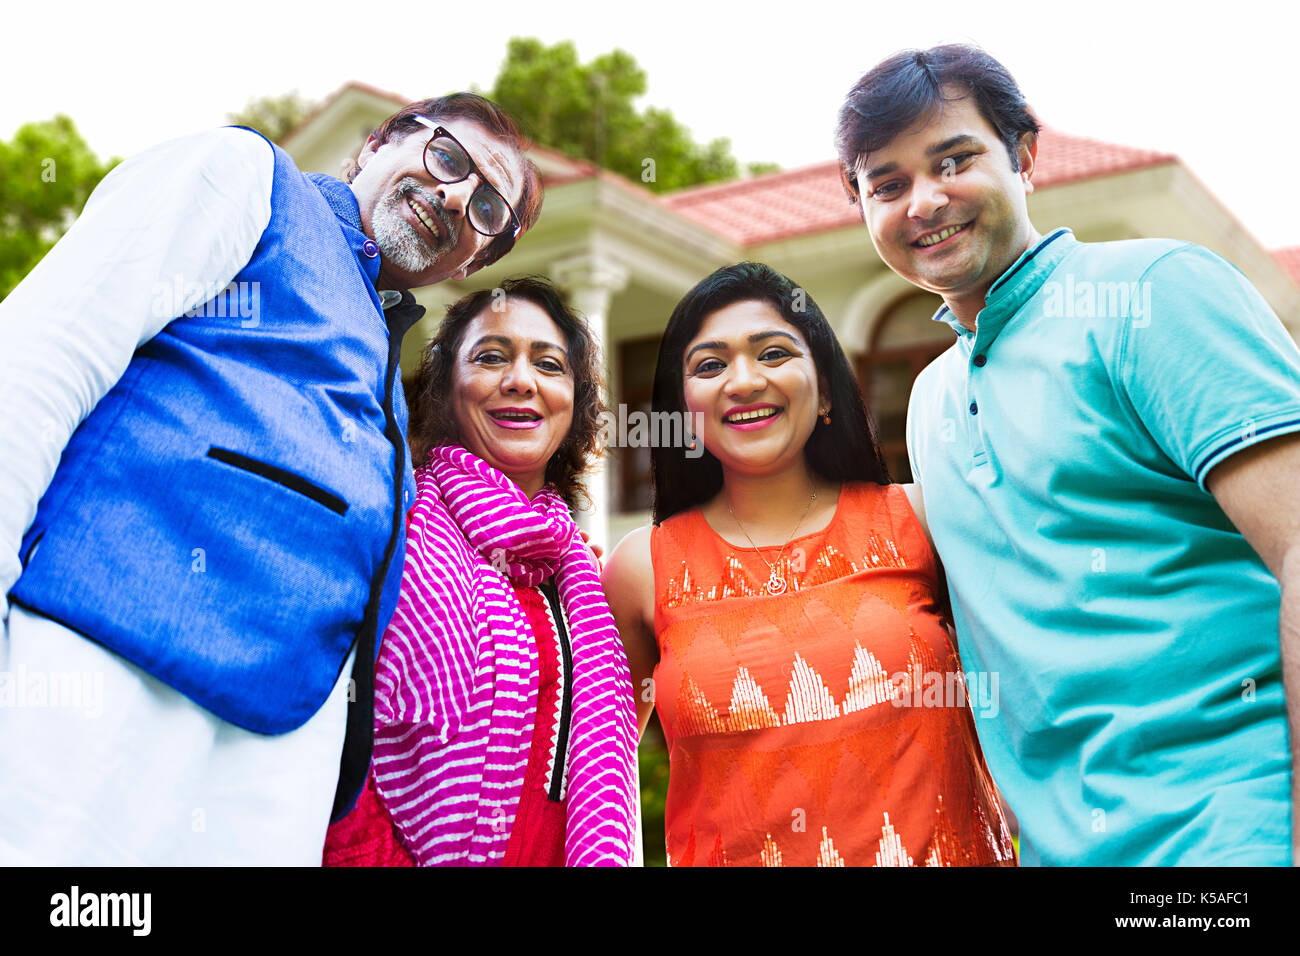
[433, 419]
[494, 120]
[845, 450]
[908, 86]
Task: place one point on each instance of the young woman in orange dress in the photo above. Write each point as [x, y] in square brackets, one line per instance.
[783, 613]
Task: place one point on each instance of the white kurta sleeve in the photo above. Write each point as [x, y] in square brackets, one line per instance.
[183, 217]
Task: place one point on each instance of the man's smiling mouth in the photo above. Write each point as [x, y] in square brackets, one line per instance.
[934, 238]
[429, 221]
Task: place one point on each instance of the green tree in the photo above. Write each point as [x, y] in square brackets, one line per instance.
[46, 174]
[275, 117]
[588, 111]
[761, 168]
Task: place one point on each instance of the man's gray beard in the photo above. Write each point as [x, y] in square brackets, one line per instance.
[401, 245]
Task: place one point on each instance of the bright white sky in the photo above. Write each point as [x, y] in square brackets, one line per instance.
[1204, 81]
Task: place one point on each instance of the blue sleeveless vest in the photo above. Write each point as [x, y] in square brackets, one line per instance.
[230, 516]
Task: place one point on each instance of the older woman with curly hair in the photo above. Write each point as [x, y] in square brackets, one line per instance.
[504, 715]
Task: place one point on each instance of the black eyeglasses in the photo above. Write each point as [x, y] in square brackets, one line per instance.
[446, 161]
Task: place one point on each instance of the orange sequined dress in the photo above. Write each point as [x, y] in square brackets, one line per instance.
[828, 725]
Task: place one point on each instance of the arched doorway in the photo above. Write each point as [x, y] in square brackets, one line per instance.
[905, 340]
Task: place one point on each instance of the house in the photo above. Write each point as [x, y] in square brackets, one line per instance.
[625, 256]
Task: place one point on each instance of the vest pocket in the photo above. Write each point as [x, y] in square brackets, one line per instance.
[30, 552]
[280, 476]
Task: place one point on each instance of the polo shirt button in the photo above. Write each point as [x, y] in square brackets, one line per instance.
[369, 248]
[974, 409]
[980, 360]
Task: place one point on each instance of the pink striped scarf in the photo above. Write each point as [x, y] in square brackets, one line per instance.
[456, 681]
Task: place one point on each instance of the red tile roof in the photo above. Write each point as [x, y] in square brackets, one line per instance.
[810, 199]
[320, 107]
[1289, 259]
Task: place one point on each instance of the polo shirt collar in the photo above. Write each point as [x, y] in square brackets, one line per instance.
[1017, 285]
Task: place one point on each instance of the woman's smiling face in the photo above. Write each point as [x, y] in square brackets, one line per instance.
[512, 390]
[751, 376]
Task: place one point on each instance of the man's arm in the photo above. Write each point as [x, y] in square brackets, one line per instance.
[1214, 378]
[1259, 490]
[163, 232]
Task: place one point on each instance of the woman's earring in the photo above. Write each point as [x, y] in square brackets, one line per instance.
[826, 416]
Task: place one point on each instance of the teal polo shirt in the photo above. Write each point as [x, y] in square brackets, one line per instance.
[1062, 451]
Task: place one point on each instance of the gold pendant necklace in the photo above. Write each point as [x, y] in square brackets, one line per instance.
[776, 583]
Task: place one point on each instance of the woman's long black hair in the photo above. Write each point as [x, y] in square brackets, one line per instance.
[844, 450]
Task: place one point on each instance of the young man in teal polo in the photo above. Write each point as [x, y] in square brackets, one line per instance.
[1109, 458]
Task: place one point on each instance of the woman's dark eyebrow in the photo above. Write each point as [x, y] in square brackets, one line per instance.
[495, 339]
[753, 339]
[705, 345]
[759, 336]
[538, 346]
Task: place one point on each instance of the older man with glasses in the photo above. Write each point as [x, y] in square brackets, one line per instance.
[204, 468]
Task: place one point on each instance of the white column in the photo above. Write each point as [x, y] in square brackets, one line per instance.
[591, 282]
